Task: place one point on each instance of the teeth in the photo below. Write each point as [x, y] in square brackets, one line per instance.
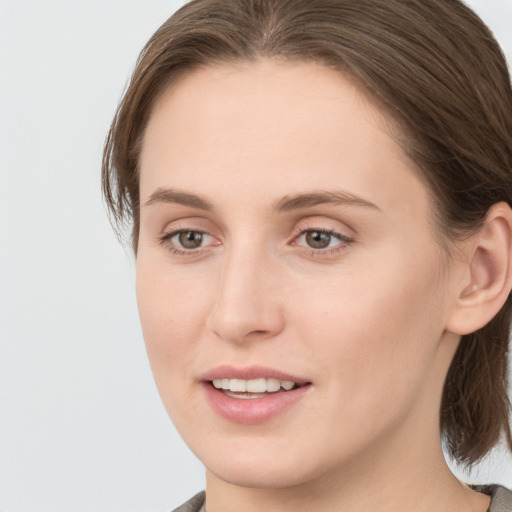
[254, 385]
[246, 396]
[287, 384]
[238, 385]
[273, 385]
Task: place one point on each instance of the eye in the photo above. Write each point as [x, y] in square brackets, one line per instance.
[318, 239]
[190, 239]
[187, 241]
[321, 240]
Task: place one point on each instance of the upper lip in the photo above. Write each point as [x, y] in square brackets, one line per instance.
[250, 372]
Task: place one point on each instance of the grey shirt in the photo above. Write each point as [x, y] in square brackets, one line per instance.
[501, 499]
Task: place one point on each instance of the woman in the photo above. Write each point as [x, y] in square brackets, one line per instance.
[319, 193]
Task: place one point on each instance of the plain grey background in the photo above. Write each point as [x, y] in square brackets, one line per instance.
[81, 424]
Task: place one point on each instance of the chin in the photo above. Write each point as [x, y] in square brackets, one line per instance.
[264, 463]
[275, 475]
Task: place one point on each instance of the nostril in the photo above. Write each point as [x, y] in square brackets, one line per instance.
[257, 333]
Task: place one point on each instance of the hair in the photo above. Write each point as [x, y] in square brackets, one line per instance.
[440, 75]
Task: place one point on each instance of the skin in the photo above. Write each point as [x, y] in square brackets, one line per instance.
[371, 321]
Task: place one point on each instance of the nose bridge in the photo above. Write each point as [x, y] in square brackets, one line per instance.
[246, 303]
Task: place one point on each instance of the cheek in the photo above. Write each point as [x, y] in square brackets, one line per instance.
[378, 330]
[172, 315]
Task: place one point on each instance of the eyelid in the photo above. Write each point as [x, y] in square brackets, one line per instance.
[343, 233]
[174, 228]
[343, 239]
[325, 225]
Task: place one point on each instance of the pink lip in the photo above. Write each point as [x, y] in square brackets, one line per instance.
[255, 410]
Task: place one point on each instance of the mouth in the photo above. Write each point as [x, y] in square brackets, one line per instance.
[254, 395]
[253, 388]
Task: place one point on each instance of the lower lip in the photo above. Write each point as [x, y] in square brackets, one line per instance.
[252, 411]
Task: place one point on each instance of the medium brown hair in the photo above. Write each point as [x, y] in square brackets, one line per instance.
[441, 76]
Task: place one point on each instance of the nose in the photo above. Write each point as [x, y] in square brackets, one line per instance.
[247, 300]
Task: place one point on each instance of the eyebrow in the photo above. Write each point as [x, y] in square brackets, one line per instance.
[286, 204]
[172, 196]
[298, 201]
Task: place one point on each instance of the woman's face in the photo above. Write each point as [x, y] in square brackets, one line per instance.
[285, 240]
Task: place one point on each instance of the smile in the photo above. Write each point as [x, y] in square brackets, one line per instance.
[253, 388]
[244, 396]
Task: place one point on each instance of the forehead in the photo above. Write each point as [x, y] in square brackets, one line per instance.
[294, 125]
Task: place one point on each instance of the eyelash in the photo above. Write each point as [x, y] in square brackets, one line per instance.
[166, 241]
[343, 242]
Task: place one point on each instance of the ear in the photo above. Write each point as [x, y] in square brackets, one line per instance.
[487, 276]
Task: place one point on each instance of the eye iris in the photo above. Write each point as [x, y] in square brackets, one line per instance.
[190, 239]
[318, 240]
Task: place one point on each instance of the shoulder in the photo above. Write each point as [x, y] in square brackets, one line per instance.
[501, 497]
[195, 504]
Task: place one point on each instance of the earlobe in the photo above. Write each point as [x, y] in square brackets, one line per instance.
[488, 276]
